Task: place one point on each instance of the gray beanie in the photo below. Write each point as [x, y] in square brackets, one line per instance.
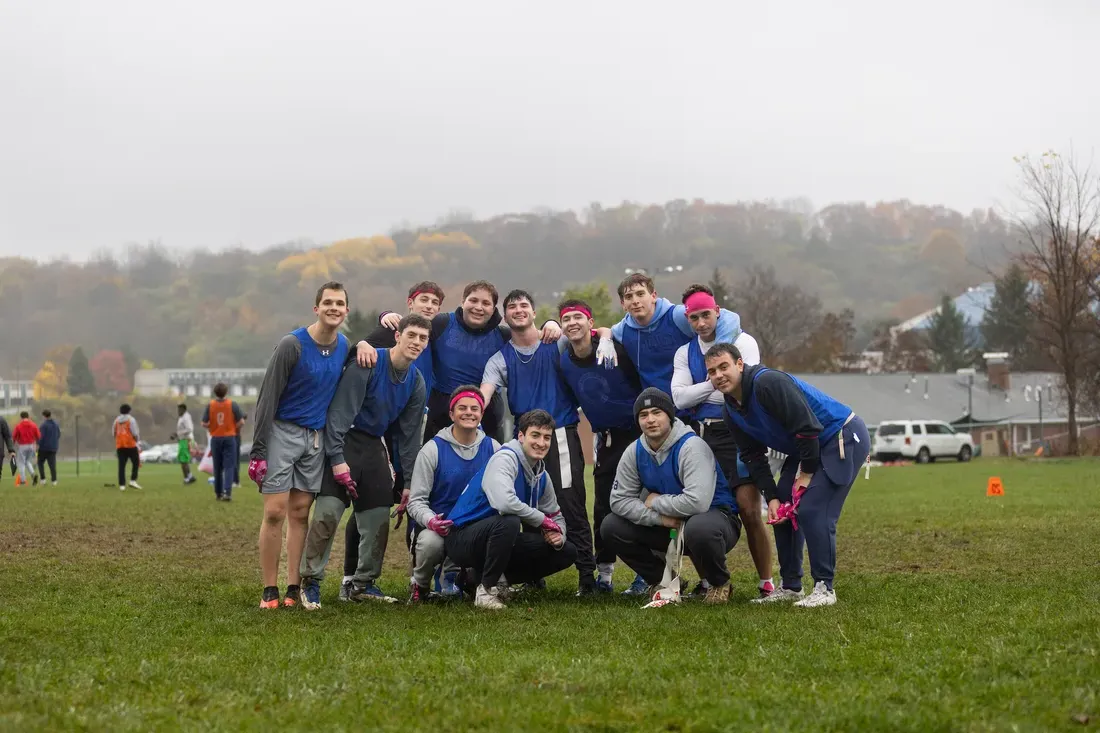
[653, 397]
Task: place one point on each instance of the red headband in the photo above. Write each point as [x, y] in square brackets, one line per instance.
[575, 309]
[429, 292]
[700, 302]
[467, 393]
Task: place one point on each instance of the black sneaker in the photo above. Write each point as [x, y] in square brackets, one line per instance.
[291, 598]
[586, 587]
[270, 598]
[418, 594]
[35, 482]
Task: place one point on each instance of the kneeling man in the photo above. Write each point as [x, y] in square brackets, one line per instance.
[669, 479]
[507, 520]
[444, 466]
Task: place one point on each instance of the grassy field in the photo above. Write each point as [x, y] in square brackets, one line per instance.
[138, 611]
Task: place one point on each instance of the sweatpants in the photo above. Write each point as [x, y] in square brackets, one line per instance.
[24, 455]
[565, 465]
[428, 552]
[47, 457]
[819, 510]
[498, 546]
[717, 435]
[134, 457]
[708, 537]
[610, 445]
[223, 451]
[370, 469]
[237, 461]
[439, 416]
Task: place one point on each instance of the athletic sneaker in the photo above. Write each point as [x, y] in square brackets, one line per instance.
[448, 586]
[290, 600]
[488, 598]
[54, 483]
[822, 596]
[35, 482]
[780, 594]
[122, 488]
[637, 588]
[717, 594]
[134, 485]
[418, 594]
[345, 591]
[368, 592]
[604, 586]
[766, 588]
[586, 586]
[700, 591]
[310, 595]
[270, 598]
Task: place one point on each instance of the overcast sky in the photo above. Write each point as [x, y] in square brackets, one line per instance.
[216, 123]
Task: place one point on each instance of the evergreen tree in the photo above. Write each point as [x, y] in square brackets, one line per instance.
[1007, 323]
[948, 339]
[358, 325]
[80, 379]
[720, 288]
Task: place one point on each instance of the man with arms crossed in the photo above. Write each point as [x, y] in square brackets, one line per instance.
[692, 391]
[531, 372]
[669, 479]
[287, 458]
[369, 403]
[512, 492]
[444, 466]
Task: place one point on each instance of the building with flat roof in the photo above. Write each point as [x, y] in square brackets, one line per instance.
[197, 382]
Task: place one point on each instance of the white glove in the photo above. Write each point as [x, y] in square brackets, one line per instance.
[606, 355]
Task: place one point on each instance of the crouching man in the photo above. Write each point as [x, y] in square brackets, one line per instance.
[369, 403]
[443, 468]
[668, 478]
[513, 493]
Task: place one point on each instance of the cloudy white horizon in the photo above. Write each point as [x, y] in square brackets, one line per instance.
[218, 124]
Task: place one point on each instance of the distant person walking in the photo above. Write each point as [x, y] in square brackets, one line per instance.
[221, 418]
[127, 435]
[48, 443]
[26, 437]
[5, 442]
[185, 437]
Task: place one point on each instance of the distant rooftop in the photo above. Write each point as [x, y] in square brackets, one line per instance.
[972, 305]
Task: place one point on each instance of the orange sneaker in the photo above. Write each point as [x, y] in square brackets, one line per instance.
[291, 598]
[270, 598]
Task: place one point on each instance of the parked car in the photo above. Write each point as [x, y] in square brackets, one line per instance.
[164, 453]
[922, 440]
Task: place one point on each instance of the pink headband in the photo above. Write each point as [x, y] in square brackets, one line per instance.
[700, 302]
[467, 393]
[575, 309]
[429, 292]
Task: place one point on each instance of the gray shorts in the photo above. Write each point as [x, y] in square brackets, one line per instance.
[295, 459]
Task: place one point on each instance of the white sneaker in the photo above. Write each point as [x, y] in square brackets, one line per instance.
[135, 485]
[54, 483]
[779, 594]
[488, 598]
[122, 488]
[821, 596]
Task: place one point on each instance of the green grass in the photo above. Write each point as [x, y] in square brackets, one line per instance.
[138, 611]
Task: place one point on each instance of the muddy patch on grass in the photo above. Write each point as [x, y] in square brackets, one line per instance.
[98, 540]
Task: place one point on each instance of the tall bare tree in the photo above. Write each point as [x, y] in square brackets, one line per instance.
[1059, 221]
[781, 316]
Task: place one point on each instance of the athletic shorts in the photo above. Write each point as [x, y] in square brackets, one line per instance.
[295, 459]
[718, 436]
[183, 453]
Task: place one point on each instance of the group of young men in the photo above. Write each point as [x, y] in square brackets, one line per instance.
[31, 445]
[411, 419]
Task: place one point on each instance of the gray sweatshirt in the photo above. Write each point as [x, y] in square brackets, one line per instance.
[423, 474]
[695, 471]
[499, 485]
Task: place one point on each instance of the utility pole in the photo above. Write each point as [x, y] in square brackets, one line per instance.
[76, 433]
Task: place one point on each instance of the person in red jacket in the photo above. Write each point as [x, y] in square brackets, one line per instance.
[26, 437]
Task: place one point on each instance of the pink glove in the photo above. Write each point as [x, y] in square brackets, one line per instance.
[439, 525]
[344, 479]
[257, 470]
[549, 525]
[786, 510]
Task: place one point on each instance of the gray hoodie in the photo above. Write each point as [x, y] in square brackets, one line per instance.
[423, 475]
[696, 473]
[499, 485]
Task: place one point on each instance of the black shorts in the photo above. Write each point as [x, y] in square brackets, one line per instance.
[371, 471]
[717, 435]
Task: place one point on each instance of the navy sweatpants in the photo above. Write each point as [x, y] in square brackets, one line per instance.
[820, 507]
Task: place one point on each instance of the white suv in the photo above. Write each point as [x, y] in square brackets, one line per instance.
[922, 440]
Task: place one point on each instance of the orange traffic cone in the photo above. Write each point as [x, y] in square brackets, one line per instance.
[994, 487]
